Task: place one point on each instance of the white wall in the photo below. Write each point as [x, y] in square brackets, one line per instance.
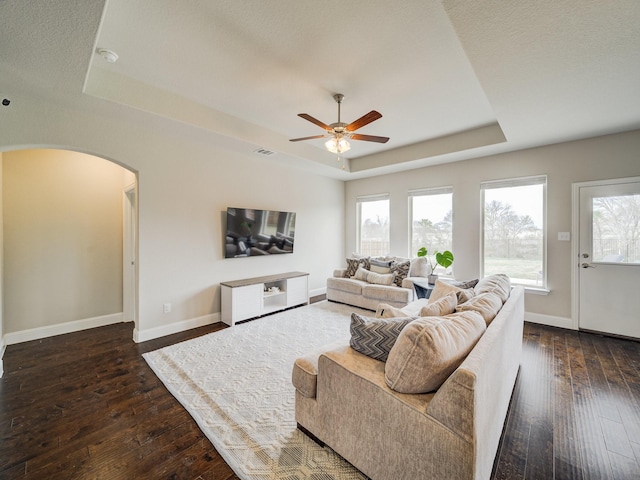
[63, 238]
[185, 182]
[612, 156]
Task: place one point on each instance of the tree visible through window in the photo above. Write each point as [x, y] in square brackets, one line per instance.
[431, 221]
[373, 225]
[513, 230]
[616, 229]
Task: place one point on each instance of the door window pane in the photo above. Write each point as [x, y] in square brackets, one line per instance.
[513, 230]
[373, 226]
[616, 229]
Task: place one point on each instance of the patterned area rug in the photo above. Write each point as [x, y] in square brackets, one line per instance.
[236, 384]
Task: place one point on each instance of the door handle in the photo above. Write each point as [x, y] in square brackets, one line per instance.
[587, 265]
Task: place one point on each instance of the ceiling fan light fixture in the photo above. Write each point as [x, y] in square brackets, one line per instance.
[337, 144]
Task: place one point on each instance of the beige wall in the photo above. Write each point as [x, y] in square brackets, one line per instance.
[186, 180]
[613, 156]
[63, 237]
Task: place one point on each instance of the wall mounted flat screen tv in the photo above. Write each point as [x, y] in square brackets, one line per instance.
[252, 233]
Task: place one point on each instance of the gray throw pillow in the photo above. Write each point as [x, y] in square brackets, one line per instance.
[374, 337]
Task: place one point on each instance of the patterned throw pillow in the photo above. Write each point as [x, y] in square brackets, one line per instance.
[374, 337]
[354, 263]
[467, 284]
[401, 269]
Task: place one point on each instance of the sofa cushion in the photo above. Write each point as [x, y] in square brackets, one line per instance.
[498, 283]
[373, 277]
[487, 304]
[429, 349]
[348, 285]
[387, 293]
[354, 263]
[443, 306]
[442, 289]
[401, 269]
[374, 337]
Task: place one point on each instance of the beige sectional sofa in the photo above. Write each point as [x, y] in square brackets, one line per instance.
[343, 288]
[344, 401]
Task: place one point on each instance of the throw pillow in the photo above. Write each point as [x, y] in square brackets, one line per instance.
[385, 310]
[442, 306]
[487, 304]
[373, 277]
[353, 264]
[375, 337]
[442, 289]
[467, 284]
[429, 349]
[379, 265]
[401, 269]
[498, 283]
[419, 267]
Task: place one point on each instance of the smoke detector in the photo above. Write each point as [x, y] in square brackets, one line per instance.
[109, 55]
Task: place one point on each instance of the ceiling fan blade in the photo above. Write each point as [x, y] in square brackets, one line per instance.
[363, 120]
[369, 138]
[306, 138]
[308, 117]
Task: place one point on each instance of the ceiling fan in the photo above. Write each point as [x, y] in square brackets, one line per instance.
[339, 132]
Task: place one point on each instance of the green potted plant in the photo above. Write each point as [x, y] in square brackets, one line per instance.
[444, 259]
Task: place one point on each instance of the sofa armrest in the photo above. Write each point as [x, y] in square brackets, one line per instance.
[339, 272]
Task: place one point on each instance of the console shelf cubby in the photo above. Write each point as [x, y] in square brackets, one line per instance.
[253, 297]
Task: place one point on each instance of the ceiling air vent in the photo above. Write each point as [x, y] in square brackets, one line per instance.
[264, 151]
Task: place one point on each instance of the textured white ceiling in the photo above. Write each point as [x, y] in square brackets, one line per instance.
[453, 79]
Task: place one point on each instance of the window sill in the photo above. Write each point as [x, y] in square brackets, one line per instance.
[536, 291]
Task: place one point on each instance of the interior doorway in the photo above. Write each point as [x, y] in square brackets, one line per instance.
[129, 255]
[607, 256]
[70, 219]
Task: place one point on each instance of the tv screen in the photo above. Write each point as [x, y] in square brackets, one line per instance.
[252, 232]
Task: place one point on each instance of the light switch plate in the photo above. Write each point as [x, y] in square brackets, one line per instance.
[564, 236]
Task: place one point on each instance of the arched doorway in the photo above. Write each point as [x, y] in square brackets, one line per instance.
[66, 215]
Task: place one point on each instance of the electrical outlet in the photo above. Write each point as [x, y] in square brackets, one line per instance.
[166, 308]
[564, 236]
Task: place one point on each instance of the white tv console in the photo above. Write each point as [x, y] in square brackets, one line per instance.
[254, 297]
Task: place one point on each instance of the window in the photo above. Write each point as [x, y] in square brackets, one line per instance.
[616, 228]
[514, 230]
[430, 221]
[373, 225]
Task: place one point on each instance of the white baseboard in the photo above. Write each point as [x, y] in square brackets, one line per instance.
[318, 291]
[157, 332]
[3, 347]
[550, 320]
[61, 328]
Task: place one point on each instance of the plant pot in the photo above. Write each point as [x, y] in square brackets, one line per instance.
[432, 279]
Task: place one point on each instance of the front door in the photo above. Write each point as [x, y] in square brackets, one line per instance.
[608, 267]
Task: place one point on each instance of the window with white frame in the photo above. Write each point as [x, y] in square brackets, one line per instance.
[431, 221]
[373, 225]
[514, 230]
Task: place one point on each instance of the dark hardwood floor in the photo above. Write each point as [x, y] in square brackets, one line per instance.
[86, 405]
